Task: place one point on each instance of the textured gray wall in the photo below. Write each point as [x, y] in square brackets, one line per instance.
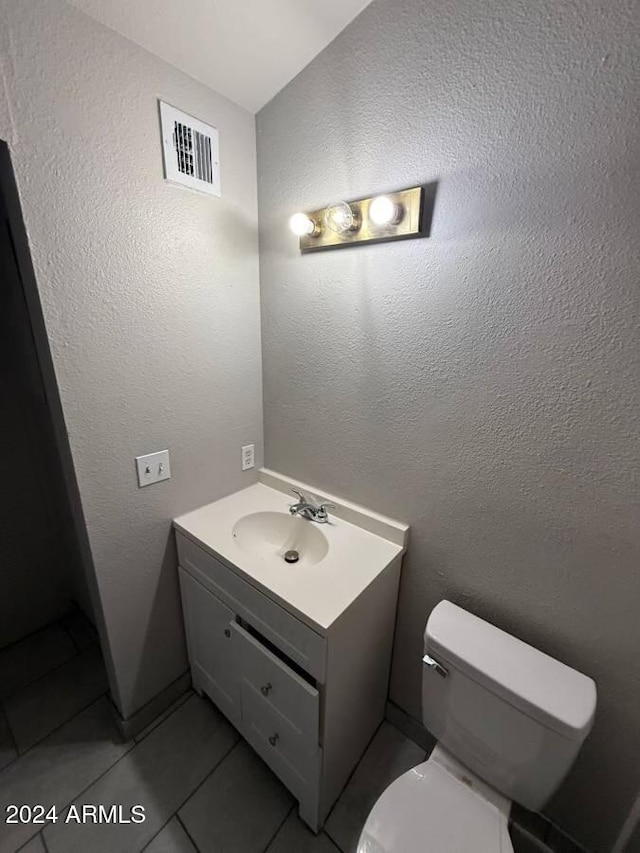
[482, 385]
[150, 296]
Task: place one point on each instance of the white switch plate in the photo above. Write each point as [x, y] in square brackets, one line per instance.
[153, 468]
[248, 456]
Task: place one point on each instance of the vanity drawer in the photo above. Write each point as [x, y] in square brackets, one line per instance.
[281, 746]
[299, 642]
[280, 688]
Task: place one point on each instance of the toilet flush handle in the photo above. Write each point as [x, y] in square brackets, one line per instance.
[433, 664]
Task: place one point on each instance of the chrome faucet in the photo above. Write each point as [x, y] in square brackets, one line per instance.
[310, 511]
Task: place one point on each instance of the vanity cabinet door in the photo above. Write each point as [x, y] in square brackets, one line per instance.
[212, 646]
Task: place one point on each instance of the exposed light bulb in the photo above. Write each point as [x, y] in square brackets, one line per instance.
[341, 218]
[383, 211]
[302, 225]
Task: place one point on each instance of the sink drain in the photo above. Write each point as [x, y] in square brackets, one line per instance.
[291, 556]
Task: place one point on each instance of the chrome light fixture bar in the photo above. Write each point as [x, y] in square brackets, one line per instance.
[401, 215]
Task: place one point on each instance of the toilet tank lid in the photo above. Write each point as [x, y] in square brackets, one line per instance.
[543, 688]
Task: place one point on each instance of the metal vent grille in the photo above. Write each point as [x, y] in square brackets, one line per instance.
[190, 151]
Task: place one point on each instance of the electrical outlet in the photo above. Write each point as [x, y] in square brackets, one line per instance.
[248, 457]
[153, 468]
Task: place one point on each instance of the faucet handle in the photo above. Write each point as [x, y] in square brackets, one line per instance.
[303, 500]
[321, 511]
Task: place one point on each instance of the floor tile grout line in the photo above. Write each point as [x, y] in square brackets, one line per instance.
[20, 755]
[30, 839]
[71, 637]
[164, 826]
[155, 835]
[49, 672]
[187, 833]
[11, 736]
[60, 725]
[158, 722]
[21, 848]
[331, 841]
[31, 634]
[331, 838]
[41, 676]
[282, 823]
[213, 770]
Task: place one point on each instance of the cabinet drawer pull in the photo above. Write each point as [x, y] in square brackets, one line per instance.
[227, 632]
[273, 740]
[266, 689]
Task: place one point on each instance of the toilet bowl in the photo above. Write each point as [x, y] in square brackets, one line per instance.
[438, 806]
[509, 721]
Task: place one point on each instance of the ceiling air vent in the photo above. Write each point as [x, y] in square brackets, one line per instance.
[191, 152]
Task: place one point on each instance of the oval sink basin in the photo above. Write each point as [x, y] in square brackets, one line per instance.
[275, 533]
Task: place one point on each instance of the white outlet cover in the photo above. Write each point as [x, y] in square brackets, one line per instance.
[248, 456]
[153, 468]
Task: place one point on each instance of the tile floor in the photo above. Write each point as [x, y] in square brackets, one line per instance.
[202, 787]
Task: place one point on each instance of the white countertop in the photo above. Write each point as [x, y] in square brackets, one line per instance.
[318, 593]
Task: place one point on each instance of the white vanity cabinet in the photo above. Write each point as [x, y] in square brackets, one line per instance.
[307, 696]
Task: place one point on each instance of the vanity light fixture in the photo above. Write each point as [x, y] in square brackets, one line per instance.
[400, 215]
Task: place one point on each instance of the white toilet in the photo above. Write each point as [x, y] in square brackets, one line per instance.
[509, 721]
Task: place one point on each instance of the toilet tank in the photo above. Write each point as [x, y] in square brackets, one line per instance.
[507, 711]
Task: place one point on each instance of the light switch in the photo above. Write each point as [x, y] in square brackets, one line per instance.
[153, 468]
